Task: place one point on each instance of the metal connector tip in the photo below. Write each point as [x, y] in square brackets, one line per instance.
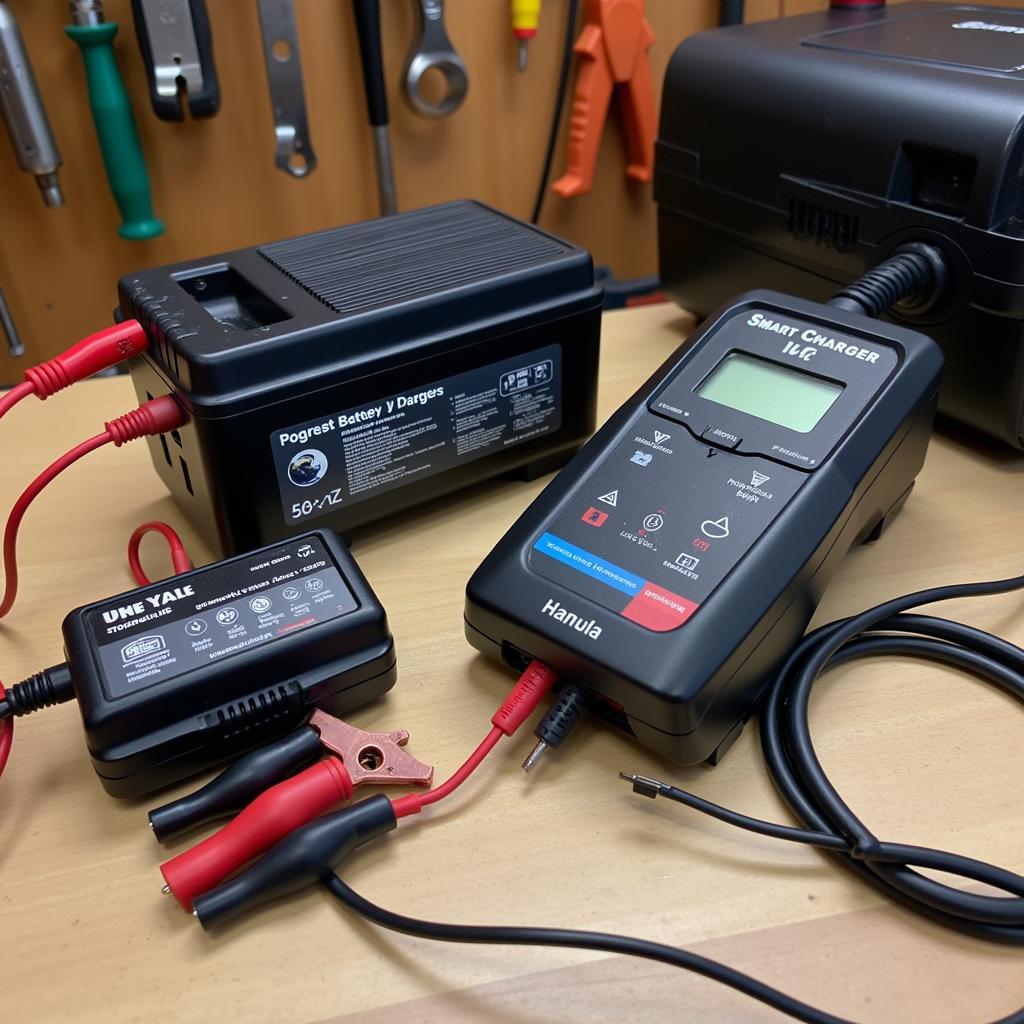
[166, 890]
[521, 56]
[643, 785]
[535, 755]
[49, 187]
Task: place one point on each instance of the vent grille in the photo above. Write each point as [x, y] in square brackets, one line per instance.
[386, 262]
[254, 713]
[810, 222]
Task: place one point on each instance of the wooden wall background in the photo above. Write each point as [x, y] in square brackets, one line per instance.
[214, 181]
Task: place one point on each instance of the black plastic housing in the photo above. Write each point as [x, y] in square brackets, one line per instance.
[685, 688]
[433, 307]
[177, 677]
[795, 154]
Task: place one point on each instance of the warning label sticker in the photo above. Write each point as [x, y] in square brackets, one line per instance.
[358, 453]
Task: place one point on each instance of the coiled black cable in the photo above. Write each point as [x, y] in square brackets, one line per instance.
[890, 629]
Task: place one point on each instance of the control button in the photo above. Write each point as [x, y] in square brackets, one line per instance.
[227, 616]
[723, 438]
[197, 627]
[655, 521]
[290, 593]
[716, 529]
[658, 609]
[260, 605]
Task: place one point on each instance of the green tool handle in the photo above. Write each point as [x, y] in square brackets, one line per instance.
[115, 127]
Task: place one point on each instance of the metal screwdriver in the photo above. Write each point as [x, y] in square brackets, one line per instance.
[24, 113]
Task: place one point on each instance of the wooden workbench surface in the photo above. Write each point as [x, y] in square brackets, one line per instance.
[925, 754]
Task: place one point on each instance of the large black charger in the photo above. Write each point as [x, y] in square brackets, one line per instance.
[795, 154]
[336, 378]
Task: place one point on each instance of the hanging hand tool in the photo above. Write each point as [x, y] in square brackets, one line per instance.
[115, 124]
[293, 151]
[24, 113]
[14, 345]
[613, 50]
[368, 26]
[177, 49]
[358, 757]
[525, 15]
[433, 50]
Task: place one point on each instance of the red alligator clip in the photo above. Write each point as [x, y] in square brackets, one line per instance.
[358, 757]
[613, 53]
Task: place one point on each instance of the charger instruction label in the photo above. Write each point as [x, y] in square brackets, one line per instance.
[358, 453]
[149, 636]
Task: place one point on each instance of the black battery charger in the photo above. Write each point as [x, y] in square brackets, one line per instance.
[675, 562]
[338, 377]
[177, 677]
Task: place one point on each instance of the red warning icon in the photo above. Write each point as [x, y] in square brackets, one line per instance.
[594, 517]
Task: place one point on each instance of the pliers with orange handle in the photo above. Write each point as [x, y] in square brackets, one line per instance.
[613, 52]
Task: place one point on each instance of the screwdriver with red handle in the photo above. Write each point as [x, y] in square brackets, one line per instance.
[357, 757]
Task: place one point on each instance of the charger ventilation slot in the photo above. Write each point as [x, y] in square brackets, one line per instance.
[186, 475]
[809, 222]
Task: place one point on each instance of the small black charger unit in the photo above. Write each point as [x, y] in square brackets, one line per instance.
[182, 675]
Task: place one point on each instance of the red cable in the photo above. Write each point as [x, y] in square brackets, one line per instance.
[21, 507]
[517, 707]
[97, 352]
[415, 802]
[153, 417]
[180, 561]
[11, 398]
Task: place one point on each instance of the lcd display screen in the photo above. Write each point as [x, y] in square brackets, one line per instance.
[771, 392]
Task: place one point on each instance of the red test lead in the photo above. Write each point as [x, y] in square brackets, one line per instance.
[309, 854]
[97, 352]
[517, 707]
[156, 416]
[359, 757]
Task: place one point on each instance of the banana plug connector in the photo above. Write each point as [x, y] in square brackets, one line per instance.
[560, 720]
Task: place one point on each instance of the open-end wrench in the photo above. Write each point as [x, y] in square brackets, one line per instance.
[293, 151]
[433, 50]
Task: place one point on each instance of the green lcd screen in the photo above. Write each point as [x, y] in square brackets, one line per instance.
[774, 393]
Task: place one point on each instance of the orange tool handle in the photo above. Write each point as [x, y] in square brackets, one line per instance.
[613, 50]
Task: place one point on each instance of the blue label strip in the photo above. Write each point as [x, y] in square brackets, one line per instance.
[589, 564]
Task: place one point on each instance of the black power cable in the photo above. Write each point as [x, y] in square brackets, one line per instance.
[576, 939]
[571, 15]
[601, 941]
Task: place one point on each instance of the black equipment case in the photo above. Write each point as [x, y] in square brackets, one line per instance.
[796, 154]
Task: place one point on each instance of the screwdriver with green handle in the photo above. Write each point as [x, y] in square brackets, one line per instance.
[115, 124]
